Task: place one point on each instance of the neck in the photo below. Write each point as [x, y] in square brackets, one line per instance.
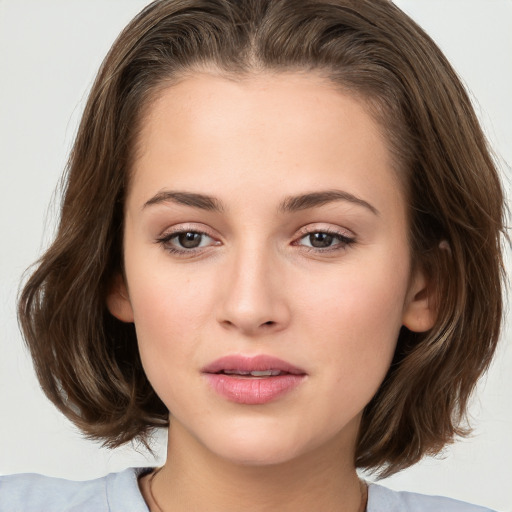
[194, 478]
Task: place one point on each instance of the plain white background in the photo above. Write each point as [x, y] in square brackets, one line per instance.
[49, 53]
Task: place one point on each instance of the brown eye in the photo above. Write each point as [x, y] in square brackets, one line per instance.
[189, 240]
[325, 241]
[186, 242]
[321, 240]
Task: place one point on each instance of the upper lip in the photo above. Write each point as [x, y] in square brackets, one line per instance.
[251, 363]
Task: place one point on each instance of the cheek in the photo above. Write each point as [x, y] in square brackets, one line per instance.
[357, 299]
[165, 295]
[355, 325]
[162, 316]
[163, 302]
[171, 308]
[166, 310]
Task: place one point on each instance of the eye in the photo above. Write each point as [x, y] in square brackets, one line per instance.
[319, 240]
[190, 239]
[325, 240]
[186, 241]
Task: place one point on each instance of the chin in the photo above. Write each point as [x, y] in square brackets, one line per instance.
[258, 454]
[266, 445]
[256, 447]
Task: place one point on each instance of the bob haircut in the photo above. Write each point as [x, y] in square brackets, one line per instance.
[87, 361]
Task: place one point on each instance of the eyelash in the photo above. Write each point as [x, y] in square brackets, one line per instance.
[166, 239]
[343, 241]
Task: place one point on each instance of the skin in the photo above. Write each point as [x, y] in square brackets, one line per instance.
[256, 285]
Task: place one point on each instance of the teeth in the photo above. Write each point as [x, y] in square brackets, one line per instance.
[255, 373]
[265, 373]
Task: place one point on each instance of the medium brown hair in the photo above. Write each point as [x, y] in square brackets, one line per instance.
[87, 361]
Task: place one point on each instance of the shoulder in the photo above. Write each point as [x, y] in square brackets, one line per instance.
[116, 492]
[382, 499]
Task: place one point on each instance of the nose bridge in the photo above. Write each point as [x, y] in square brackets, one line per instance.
[253, 298]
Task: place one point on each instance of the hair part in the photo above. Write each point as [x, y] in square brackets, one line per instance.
[88, 362]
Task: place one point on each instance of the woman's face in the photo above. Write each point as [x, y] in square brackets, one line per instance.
[266, 232]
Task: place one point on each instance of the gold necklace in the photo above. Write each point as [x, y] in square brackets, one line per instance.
[362, 486]
[150, 487]
[364, 495]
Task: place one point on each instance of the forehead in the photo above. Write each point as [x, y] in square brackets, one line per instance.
[285, 130]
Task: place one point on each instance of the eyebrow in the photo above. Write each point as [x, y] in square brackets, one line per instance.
[289, 205]
[194, 200]
[305, 201]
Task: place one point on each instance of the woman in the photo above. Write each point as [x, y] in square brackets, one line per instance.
[287, 206]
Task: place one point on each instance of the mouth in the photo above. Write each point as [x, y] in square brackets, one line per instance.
[253, 373]
[255, 366]
[252, 380]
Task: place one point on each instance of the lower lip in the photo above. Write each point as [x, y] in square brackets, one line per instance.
[253, 390]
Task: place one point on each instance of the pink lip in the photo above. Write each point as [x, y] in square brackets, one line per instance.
[252, 390]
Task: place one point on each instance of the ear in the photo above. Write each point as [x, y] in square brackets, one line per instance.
[420, 311]
[118, 301]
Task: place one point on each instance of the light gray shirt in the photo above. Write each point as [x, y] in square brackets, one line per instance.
[119, 492]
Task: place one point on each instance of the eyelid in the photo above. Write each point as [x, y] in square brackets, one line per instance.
[319, 228]
[345, 238]
[183, 228]
[164, 239]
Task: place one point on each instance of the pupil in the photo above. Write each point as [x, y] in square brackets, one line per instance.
[189, 240]
[321, 239]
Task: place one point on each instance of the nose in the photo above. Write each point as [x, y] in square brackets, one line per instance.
[254, 301]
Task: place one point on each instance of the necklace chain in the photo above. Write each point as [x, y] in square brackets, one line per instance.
[364, 495]
[362, 485]
[150, 487]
